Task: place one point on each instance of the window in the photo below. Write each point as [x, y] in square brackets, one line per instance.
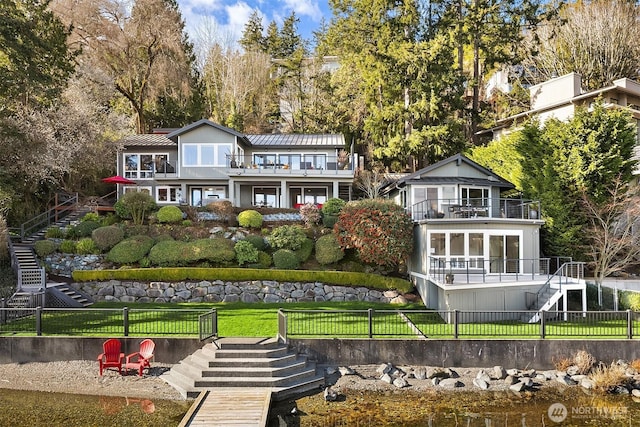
[196, 155]
[168, 194]
[265, 160]
[475, 196]
[266, 197]
[291, 161]
[314, 161]
[456, 250]
[143, 166]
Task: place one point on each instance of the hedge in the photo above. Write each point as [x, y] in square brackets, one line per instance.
[177, 274]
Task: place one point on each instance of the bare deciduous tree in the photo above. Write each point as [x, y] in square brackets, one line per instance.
[370, 183]
[596, 39]
[614, 231]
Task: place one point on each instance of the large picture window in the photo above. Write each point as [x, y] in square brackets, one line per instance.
[199, 155]
[142, 166]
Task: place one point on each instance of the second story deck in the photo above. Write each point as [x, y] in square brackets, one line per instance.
[475, 208]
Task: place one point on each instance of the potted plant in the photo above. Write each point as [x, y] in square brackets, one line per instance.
[233, 162]
[448, 278]
[343, 159]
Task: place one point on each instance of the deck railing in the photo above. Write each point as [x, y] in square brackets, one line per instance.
[64, 206]
[482, 270]
[425, 324]
[474, 208]
[103, 321]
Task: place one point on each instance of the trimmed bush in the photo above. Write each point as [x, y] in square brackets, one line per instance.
[138, 204]
[328, 250]
[287, 237]
[87, 246]
[90, 216]
[54, 232]
[168, 252]
[131, 250]
[250, 219]
[310, 214]
[169, 214]
[187, 223]
[257, 241]
[245, 252]
[44, 248]
[329, 221]
[107, 237]
[286, 259]
[67, 247]
[83, 229]
[264, 260]
[217, 250]
[333, 206]
[305, 250]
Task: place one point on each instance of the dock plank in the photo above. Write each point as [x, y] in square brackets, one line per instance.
[230, 406]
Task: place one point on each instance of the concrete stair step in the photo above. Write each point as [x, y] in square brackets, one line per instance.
[247, 343]
[255, 372]
[288, 380]
[253, 362]
[252, 354]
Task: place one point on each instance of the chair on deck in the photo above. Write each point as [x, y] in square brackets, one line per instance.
[111, 357]
[141, 359]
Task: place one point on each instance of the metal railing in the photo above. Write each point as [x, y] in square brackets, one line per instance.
[102, 321]
[569, 272]
[424, 324]
[468, 208]
[208, 325]
[51, 216]
[482, 270]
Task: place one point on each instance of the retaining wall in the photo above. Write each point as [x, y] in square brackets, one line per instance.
[521, 354]
[219, 291]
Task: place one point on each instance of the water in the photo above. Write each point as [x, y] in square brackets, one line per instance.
[32, 408]
[568, 407]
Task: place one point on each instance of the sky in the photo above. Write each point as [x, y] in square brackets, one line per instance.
[228, 17]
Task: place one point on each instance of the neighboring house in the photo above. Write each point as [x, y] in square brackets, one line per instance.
[560, 98]
[475, 249]
[204, 161]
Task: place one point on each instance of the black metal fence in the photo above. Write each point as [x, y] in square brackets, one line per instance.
[106, 322]
[423, 324]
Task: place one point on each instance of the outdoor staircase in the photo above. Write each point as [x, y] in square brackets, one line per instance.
[245, 362]
[570, 273]
[62, 295]
[73, 216]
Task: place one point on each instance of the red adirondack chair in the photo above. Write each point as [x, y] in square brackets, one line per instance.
[111, 356]
[141, 359]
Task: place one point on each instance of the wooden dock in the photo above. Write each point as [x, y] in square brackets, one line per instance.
[230, 406]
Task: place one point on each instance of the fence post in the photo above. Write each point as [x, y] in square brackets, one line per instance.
[39, 321]
[543, 332]
[455, 323]
[629, 324]
[125, 320]
[370, 314]
[3, 312]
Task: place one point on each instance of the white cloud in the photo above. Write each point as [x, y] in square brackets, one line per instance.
[238, 15]
[309, 8]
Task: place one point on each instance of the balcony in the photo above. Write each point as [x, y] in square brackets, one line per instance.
[473, 209]
[295, 165]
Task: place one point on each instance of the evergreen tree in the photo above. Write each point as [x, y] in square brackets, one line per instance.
[252, 36]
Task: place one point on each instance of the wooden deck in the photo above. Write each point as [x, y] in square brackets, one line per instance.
[230, 406]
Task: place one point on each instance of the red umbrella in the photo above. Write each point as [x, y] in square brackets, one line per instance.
[117, 179]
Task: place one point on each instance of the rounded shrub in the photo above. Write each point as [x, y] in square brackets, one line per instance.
[264, 260]
[67, 247]
[305, 250]
[44, 248]
[245, 252]
[86, 246]
[90, 216]
[169, 214]
[287, 237]
[107, 237]
[333, 206]
[54, 232]
[285, 259]
[257, 241]
[328, 250]
[250, 219]
[329, 221]
[218, 250]
[131, 250]
[168, 253]
[85, 228]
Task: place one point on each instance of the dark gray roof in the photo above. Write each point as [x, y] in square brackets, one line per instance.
[297, 140]
[147, 140]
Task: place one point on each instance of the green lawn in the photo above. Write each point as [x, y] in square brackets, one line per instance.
[311, 319]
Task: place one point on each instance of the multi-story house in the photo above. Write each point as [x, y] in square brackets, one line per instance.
[204, 161]
[474, 248]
